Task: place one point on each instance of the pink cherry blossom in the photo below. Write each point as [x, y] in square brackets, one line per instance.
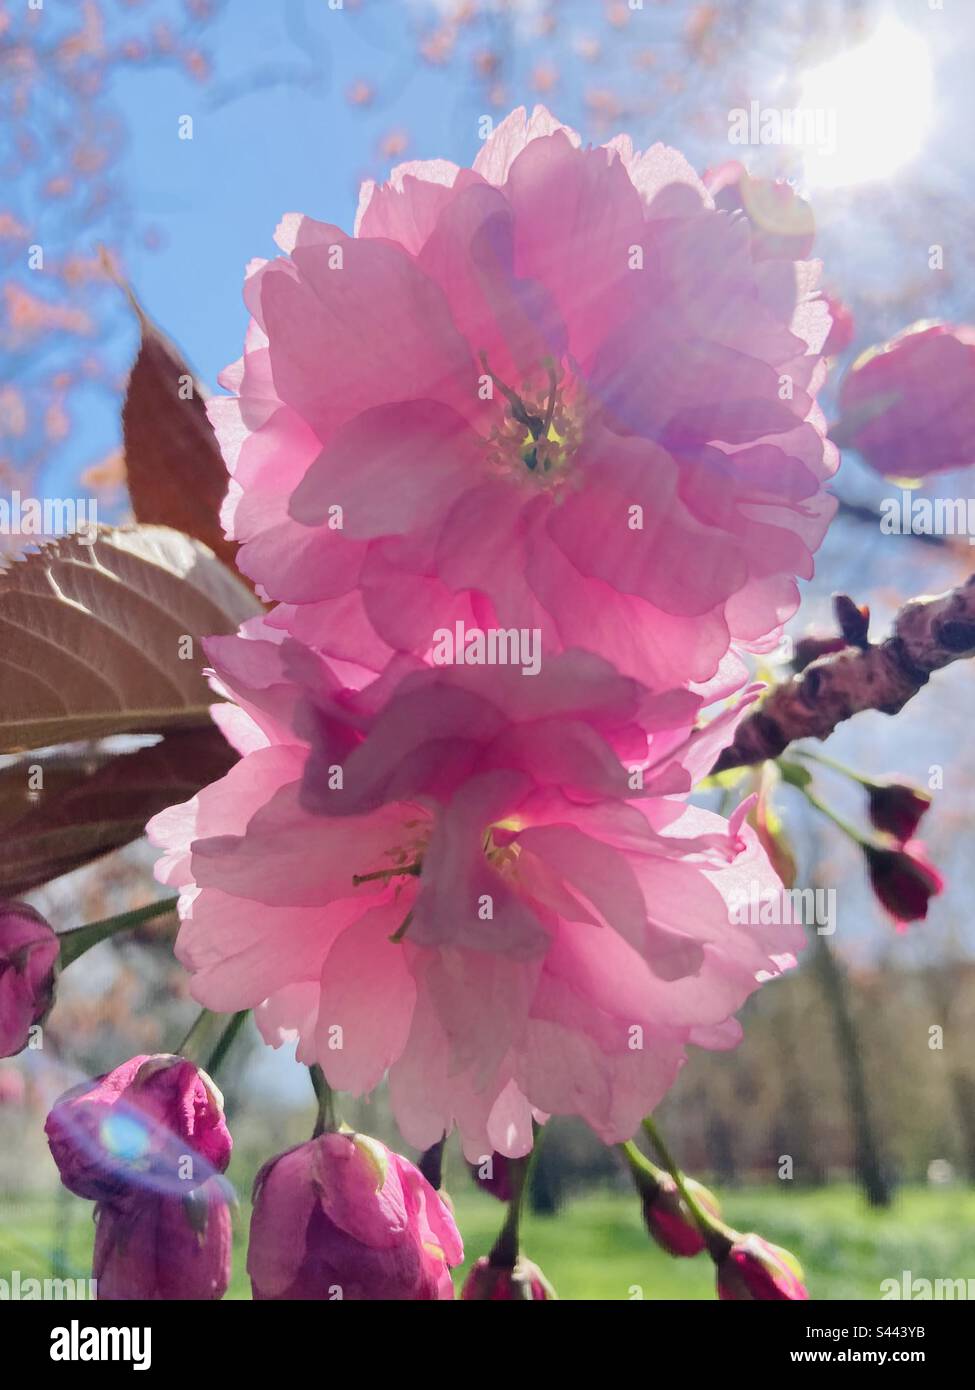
[908, 407]
[554, 390]
[344, 1216]
[454, 874]
[154, 1245]
[155, 1123]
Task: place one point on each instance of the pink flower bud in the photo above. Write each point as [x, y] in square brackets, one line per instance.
[897, 808]
[155, 1123]
[525, 1282]
[344, 1217]
[28, 951]
[908, 406]
[755, 1269]
[904, 880]
[154, 1246]
[492, 1174]
[669, 1221]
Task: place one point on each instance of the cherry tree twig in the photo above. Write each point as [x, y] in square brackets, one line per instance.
[857, 511]
[928, 633]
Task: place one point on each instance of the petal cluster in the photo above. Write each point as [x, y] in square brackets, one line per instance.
[489, 886]
[563, 401]
[559, 390]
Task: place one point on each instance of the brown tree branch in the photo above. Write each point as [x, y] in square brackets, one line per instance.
[856, 511]
[928, 633]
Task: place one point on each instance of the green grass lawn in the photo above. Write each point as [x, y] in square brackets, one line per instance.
[596, 1246]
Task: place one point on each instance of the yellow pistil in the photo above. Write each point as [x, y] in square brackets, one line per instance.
[539, 432]
[503, 858]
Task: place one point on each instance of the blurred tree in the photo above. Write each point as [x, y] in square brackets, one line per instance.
[62, 136]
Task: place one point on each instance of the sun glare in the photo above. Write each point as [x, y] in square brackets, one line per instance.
[875, 102]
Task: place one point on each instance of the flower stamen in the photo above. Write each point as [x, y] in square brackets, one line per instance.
[386, 874]
[540, 430]
[400, 931]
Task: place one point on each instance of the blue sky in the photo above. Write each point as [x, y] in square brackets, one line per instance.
[273, 132]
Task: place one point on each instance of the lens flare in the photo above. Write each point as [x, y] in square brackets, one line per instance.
[125, 1137]
[878, 99]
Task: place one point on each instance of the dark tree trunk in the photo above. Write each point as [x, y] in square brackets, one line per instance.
[871, 1171]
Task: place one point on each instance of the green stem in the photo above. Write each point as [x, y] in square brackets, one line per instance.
[820, 805]
[832, 763]
[210, 1038]
[504, 1252]
[646, 1175]
[715, 1234]
[225, 1041]
[325, 1122]
[78, 940]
